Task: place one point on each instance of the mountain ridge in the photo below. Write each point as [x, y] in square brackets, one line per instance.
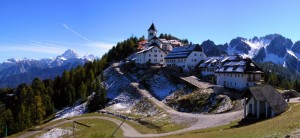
[273, 48]
[11, 69]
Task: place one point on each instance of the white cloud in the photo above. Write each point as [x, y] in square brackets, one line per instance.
[34, 46]
[100, 45]
[74, 32]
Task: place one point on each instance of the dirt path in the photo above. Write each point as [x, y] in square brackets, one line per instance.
[128, 131]
[203, 121]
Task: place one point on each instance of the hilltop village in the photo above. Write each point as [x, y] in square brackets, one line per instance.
[233, 75]
[165, 87]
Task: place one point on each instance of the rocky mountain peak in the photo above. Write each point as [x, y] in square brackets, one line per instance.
[70, 53]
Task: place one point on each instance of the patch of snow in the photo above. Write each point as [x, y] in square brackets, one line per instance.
[122, 103]
[255, 46]
[115, 83]
[296, 55]
[56, 133]
[161, 86]
[75, 110]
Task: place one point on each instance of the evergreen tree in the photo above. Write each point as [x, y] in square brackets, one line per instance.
[82, 90]
[39, 110]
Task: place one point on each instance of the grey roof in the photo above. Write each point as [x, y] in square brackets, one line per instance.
[210, 62]
[242, 65]
[271, 96]
[145, 50]
[184, 51]
[154, 44]
[152, 27]
[149, 48]
[216, 61]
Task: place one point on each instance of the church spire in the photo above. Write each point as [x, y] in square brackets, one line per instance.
[152, 27]
[152, 32]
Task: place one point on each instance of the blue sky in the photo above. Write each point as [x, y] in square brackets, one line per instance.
[39, 29]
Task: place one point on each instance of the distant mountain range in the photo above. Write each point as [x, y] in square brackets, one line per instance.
[271, 48]
[17, 71]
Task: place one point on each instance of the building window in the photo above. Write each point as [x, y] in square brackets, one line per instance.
[149, 55]
[195, 54]
[161, 60]
[155, 50]
[160, 55]
[235, 84]
[149, 60]
[158, 50]
[155, 55]
[155, 60]
[151, 50]
[151, 34]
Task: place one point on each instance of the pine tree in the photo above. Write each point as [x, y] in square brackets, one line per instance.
[82, 90]
[39, 110]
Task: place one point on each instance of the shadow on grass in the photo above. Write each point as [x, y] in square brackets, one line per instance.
[249, 120]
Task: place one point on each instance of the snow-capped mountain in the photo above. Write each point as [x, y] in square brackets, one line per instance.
[12, 69]
[270, 48]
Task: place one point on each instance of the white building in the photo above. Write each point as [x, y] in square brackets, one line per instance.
[264, 102]
[154, 50]
[186, 58]
[164, 44]
[211, 64]
[152, 55]
[238, 74]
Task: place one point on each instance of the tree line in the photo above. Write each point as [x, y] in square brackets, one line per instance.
[280, 77]
[28, 105]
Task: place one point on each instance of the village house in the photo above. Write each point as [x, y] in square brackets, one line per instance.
[185, 58]
[166, 45]
[209, 66]
[154, 50]
[153, 55]
[264, 101]
[238, 74]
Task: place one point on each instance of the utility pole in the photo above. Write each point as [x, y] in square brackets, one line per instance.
[120, 125]
[125, 119]
[74, 126]
[73, 129]
[5, 131]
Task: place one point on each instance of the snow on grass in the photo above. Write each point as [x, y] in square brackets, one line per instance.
[56, 133]
[122, 103]
[77, 109]
[161, 86]
[115, 83]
